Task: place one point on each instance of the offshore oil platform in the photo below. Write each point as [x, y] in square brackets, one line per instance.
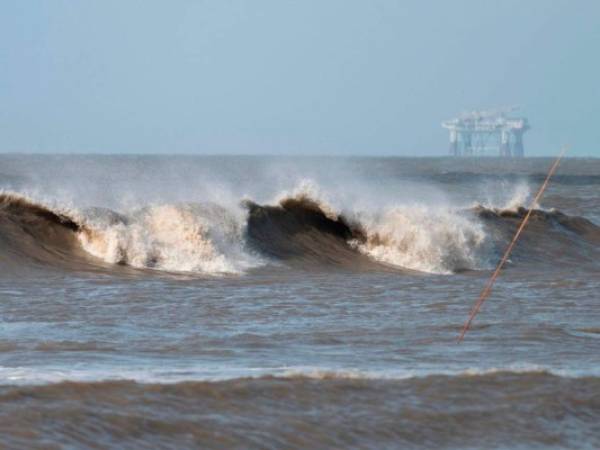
[489, 132]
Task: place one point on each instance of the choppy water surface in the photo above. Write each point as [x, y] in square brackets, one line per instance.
[180, 302]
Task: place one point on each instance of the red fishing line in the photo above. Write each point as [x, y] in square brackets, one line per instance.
[488, 287]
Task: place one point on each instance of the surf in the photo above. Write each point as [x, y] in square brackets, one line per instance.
[298, 231]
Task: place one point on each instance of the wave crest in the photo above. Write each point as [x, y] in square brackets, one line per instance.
[185, 237]
[424, 240]
[300, 230]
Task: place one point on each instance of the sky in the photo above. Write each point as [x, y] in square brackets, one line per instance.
[325, 77]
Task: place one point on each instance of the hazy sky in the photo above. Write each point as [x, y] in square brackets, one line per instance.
[292, 77]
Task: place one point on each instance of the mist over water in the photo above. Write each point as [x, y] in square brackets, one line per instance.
[311, 298]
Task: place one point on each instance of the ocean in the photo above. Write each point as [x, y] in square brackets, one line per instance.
[151, 301]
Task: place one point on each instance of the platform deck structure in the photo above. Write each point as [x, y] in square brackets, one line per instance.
[489, 132]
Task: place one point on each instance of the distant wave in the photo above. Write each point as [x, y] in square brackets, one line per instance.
[299, 231]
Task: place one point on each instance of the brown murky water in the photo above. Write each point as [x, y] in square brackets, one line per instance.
[181, 302]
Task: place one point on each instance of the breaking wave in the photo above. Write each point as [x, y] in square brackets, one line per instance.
[187, 237]
[299, 231]
[425, 240]
[180, 238]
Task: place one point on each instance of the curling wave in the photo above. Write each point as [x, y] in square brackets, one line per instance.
[302, 229]
[299, 231]
[186, 237]
[35, 233]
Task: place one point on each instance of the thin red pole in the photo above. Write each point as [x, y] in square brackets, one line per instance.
[488, 287]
